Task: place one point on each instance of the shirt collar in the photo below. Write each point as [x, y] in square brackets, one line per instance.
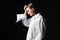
[35, 16]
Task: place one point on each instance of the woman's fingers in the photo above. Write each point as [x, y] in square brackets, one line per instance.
[25, 7]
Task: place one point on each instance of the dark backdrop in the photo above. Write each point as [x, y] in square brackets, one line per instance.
[45, 7]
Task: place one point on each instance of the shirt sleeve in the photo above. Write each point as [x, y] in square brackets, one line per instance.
[40, 30]
[20, 17]
[42, 25]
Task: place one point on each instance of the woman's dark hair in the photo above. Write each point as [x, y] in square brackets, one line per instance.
[32, 5]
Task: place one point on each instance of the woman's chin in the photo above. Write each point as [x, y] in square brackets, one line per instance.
[30, 14]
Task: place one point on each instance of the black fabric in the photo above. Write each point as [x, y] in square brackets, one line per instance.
[28, 16]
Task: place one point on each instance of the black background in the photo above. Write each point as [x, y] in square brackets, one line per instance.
[16, 31]
[45, 7]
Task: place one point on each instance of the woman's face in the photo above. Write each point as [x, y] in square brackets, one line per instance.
[30, 11]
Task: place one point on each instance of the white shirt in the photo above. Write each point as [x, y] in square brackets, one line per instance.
[35, 24]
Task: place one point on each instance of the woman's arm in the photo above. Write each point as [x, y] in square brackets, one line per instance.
[20, 17]
[41, 30]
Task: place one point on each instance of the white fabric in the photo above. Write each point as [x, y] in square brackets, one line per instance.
[35, 25]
